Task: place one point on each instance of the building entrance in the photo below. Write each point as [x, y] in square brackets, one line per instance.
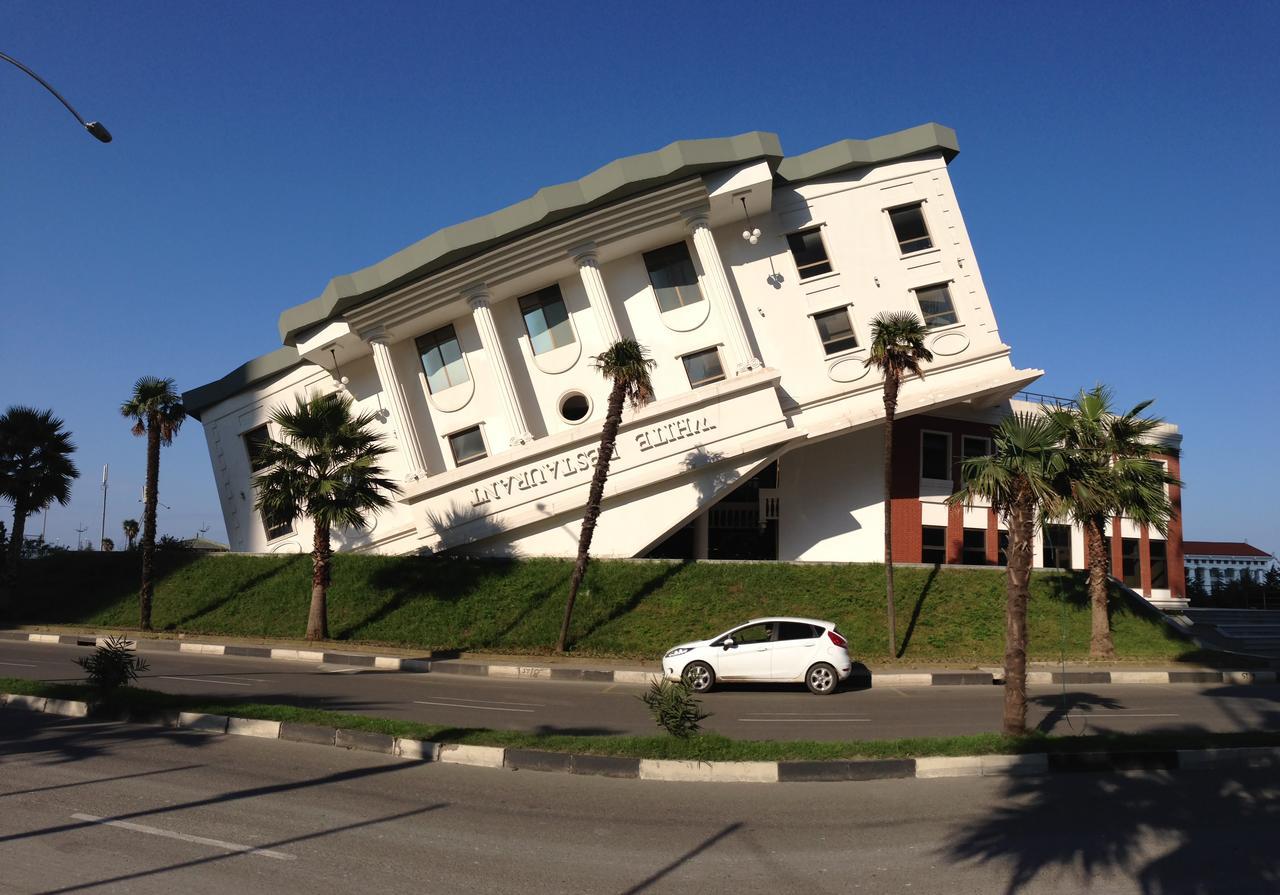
[742, 525]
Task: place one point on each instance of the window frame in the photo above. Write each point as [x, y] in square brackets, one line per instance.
[1047, 546]
[966, 550]
[1133, 581]
[928, 231]
[542, 297]
[479, 427]
[714, 349]
[853, 332]
[964, 455]
[826, 254]
[265, 428]
[951, 303]
[1161, 581]
[924, 548]
[950, 456]
[695, 286]
[444, 368]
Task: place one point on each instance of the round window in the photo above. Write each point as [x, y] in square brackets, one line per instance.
[574, 407]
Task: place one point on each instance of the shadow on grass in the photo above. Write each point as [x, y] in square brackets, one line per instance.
[652, 586]
[915, 612]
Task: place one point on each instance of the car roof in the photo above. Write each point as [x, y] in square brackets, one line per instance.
[789, 618]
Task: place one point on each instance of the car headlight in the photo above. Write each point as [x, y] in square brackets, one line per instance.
[678, 651]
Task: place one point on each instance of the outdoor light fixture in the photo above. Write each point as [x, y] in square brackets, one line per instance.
[751, 234]
[96, 128]
[339, 380]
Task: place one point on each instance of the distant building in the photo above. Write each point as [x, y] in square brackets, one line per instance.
[1210, 563]
[204, 545]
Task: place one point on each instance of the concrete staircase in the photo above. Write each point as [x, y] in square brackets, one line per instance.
[1253, 632]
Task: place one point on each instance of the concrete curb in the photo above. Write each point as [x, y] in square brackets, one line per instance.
[680, 771]
[1242, 677]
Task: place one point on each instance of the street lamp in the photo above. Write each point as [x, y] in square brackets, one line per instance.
[95, 128]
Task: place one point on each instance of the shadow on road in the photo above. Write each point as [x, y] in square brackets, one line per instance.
[707, 843]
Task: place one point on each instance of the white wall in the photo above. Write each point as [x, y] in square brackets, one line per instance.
[832, 505]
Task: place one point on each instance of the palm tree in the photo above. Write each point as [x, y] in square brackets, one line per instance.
[626, 364]
[130, 527]
[1111, 473]
[35, 471]
[1017, 478]
[897, 348]
[157, 412]
[326, 469]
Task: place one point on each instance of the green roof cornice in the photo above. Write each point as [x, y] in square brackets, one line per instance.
[260, 368]
[847, 154]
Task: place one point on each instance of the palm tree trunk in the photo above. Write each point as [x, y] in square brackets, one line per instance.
[318, 617]
[150, 497]
[1100, 644]
[1021, 518]
[608, 437]
[9, 585]
[890, 408]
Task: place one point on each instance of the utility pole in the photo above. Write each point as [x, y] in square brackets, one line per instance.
[80, 535]
[102, 535]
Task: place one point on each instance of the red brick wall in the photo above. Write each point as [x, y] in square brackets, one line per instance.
[1177, 567]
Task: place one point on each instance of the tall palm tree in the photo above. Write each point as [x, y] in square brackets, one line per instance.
[130, 527]
[326, 468]
[157, 412]
[1018, 479]
[1111, 473]
[897, 349]
[626, 364]
[35, 470]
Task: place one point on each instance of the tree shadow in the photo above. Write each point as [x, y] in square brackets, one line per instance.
[1063, 705]
[1183, 833]
[685, 858]
[915, 612]
[229, 596]
[653, 585]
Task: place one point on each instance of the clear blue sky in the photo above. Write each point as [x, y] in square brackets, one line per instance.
[1116, 172]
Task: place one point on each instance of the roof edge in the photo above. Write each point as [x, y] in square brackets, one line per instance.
[201, 398]
[845, 154]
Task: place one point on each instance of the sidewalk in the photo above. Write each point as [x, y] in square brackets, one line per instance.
[604, 670]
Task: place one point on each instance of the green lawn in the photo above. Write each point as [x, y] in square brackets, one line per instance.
[627, 609]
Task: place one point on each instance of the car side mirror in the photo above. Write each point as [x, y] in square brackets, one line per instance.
[729, 644]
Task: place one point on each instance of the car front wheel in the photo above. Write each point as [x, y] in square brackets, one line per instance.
[699, 677]
[821, 679]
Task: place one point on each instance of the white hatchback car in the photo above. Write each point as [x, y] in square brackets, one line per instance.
[764, 649]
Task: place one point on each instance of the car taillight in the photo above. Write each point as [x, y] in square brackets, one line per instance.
[837, 639]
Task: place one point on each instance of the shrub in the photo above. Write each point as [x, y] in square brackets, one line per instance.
[674, 707]
[112, 665]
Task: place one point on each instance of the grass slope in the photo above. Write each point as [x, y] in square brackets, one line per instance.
[627, 609]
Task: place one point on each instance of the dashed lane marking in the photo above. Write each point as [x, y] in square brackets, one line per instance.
[186, 837]
[201, 680]
[483, 708]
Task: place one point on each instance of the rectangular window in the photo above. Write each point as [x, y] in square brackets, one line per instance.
[935, 306]
[974, 446]
[673, 277]
[933, 544]
[442, 359]
[935, 456]
[909, 227]
[467, 446]
[278, 531]
[546, 319]
[254, 441]
[835, 329]
[1130, 562]
[1003, 547]
[1057, 546]
[975, 547]
[1159, 565]
[810, 253]
[703, 367]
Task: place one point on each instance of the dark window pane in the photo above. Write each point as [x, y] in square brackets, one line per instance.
[1131, 562]
[933, 544]
[1002, 545]
[935, 456]
[836, 331]
[810, 253]
[254, 441]
[673, 277]
[467, 445]
[278, 531]
[909, 227]
[546, 320]
[442, 359]
[1159, 565]
[703, 367]
[935, 306]
[974, 446]
[1057, 546]
[574, 407]
[975, 547]
[796, 631]
[761, 633]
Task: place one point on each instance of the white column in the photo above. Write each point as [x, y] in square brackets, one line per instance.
[478, 299]
[589, 269]
[720, 292]
[397, 405]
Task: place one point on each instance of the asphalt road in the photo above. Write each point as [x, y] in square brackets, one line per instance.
[745, 712]
[88, 807]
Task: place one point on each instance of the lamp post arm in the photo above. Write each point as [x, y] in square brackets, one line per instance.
[93, 127]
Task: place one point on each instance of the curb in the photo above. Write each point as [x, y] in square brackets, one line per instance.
[623, 676]
[677, 771]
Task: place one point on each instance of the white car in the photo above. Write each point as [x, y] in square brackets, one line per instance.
[764, 649]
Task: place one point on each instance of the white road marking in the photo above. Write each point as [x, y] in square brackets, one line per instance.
[199, 840]
[792, 714]
[793, 720]
[468, 699]
[201, 680]
[19, 664]
[484, 708]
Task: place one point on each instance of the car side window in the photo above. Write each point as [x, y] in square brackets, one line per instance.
[761, 633]
[796, 631]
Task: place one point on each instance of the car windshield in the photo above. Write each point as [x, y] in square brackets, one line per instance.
[761, 633]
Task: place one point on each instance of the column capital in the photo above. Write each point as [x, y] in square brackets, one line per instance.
[584, 255]
[377, 334]
[477, 296]
[698, 216]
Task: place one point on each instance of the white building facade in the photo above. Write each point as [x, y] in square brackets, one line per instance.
[764, 440]
[1213, 564]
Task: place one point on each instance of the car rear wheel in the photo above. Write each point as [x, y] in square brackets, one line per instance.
[699, 677]
[821, 679]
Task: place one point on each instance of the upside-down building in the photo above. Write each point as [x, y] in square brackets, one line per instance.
[764, 439]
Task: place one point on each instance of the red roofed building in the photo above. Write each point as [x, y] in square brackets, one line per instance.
[1210, 563]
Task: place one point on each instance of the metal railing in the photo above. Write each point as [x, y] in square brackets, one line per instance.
[1047, 400]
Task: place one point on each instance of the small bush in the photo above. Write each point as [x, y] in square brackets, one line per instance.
[112, 665]
[674, 707]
